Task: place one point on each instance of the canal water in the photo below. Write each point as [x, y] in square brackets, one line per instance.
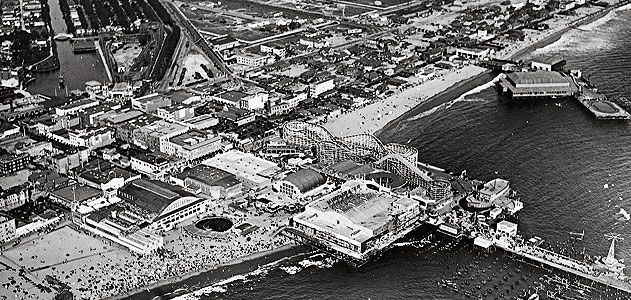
[76, 69]
[572, 172]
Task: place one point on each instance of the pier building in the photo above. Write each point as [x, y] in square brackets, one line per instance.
[538, 84]
[356, 221]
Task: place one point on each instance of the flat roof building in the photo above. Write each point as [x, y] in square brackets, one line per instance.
[356, 220]
[193, 144]
[538, 84]
[210, 181]
[252, 171]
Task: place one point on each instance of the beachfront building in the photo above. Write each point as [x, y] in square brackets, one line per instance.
[160, 204]
[356, 220]
[122, 228]
[298, 184]
[210, 181]
[473, 53]
[538, 84]
[72, 197]
[321, 86]
[252, 171]
[550, 64]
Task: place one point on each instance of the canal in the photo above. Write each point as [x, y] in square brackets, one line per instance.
[76, 69]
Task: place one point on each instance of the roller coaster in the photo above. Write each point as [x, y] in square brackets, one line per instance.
[367, 149]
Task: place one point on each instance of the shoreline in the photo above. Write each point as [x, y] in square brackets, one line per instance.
[230, 268]
[551, 38]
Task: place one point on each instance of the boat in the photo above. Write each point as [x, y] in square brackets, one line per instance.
[62, 83]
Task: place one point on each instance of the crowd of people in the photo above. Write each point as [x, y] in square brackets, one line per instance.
[95, 273]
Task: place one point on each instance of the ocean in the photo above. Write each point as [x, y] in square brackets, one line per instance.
[572, 172]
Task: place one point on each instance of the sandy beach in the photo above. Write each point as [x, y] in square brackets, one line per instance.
[376, 115]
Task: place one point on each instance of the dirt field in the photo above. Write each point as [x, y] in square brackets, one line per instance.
[126, 55]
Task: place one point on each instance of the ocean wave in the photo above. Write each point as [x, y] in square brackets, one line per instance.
[220, 287]
[427, 113]
[597, 35]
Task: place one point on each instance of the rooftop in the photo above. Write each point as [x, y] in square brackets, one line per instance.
[232, 96]
[76, 193]
[194, 138]
[306, 179]
[538, 77]
[210, 175]
[151, 196]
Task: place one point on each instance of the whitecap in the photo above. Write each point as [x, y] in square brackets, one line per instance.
[624, 214]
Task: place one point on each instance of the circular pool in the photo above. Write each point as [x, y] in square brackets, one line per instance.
[217, 224]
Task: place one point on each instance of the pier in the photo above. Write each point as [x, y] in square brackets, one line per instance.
[597, 103]
[567, 264]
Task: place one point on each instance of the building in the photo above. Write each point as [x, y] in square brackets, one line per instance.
[75, 195]
[252, 59]
[224, 42]
[13, 197]
[254, 102]
[550, 64]
[106, 177]
[210, 181]
[160, 204]
[155, 135]
[73, 108]
[355, 221]
[252, 171]
[313, 43]
[201, 122]
[236, 116]
[192, 145]
[494, 190]
[473, 53]
[321, 86]
[8, 130]
[11, 163]
[63, 163]
[274, 49]
[506, 228]
[150, 103]
[121, 227]
[34, 149]
[176, 113]
[91, 138]
[300, 183]
[7, 228]
[152, 165]
[539, 84]
[229, 98]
